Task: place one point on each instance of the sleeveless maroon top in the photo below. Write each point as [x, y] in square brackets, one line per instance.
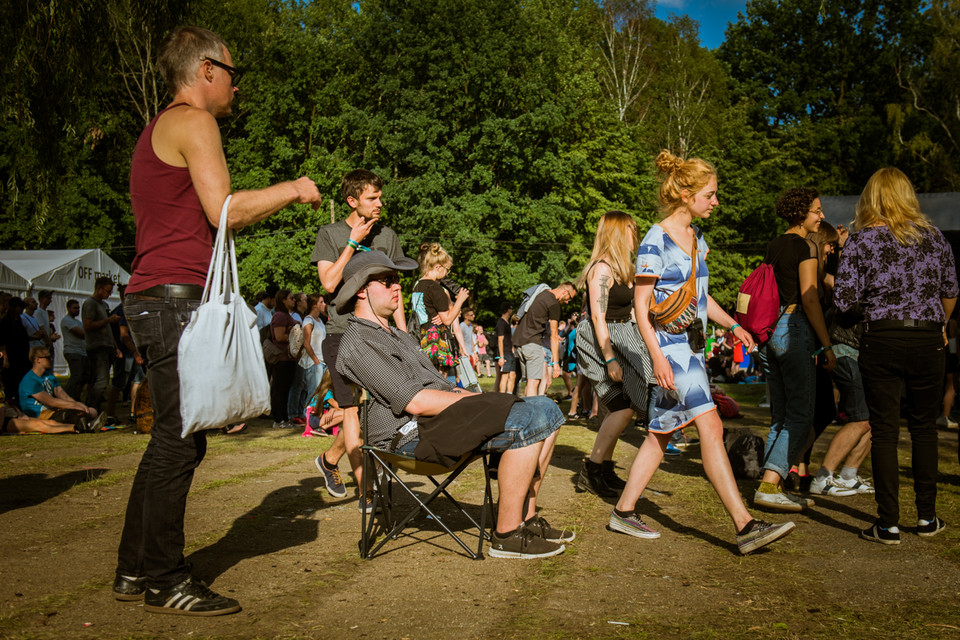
[174, 239]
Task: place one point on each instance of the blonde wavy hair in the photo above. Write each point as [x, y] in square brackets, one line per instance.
[616, 241]
[678, 175]
[432, 254]
[889, 199]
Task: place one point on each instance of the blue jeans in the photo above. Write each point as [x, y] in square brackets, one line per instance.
[151, 544]
[530, 421]
[791, 378]
[311, 380]
[297, 395]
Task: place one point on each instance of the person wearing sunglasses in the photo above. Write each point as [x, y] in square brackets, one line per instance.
[415, 411]
[41, 396]
[178, 184]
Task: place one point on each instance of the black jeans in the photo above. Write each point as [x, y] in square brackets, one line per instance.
[913, 359]
[99, 361]
[151, 544]
[78, 374]
[283, 372]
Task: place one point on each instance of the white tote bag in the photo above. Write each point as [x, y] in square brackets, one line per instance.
[222, 375]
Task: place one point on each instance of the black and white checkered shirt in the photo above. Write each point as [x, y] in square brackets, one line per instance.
[391, 367]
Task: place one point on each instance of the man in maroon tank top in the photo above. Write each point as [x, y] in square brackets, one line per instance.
[178, 184]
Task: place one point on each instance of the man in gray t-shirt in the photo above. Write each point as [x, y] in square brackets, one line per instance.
[74, 349]
[336, 243]
[101, 350]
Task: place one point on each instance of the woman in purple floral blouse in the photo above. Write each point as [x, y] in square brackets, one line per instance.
[897, 271]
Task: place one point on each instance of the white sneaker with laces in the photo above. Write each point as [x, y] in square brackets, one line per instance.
[858, 484]
[831, 486]
[776, 501]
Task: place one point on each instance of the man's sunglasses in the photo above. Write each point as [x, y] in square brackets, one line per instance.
[235, 74]
[387, 281]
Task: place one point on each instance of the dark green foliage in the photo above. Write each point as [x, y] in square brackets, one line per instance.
[496, 124]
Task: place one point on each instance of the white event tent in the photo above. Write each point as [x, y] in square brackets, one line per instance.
[69, 273]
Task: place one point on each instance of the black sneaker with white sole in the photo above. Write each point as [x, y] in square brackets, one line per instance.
[523, 544]
[189, 598]
[876, 533]
[930, 528]
[128, 588]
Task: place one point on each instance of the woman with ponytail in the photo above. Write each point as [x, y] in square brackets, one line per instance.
[672, 257]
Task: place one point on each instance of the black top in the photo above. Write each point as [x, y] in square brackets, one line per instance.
[785, 253]
[619, 302]
[534, 322]
[435, 297]
[503, 329]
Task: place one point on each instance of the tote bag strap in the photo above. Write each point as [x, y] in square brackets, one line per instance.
[216, 274]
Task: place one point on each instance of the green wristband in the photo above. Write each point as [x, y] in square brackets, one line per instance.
[609, 361]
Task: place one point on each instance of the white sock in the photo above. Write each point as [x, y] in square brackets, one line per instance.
[848, 473]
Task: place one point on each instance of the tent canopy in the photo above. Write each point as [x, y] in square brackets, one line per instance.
[68, 271]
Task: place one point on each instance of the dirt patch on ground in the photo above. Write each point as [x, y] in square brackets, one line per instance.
[261, 528]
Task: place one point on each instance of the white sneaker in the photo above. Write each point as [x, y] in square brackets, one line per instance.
[776, 501]
[946, 423]
[858, 484]
[830, 486]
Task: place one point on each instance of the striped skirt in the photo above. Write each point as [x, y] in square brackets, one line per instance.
[632, 356]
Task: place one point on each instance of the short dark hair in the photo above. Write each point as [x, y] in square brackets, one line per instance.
[357, 180]
[44, 293]
[505, 306]
[793, 205]
[272, 290]
[102, 281]
[72, 301]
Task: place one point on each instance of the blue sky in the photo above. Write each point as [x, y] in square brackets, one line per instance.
[713, 16]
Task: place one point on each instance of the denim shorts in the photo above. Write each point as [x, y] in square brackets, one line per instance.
[530, 421]
[846, 375]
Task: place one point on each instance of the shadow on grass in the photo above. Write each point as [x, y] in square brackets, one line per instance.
[31, 489]
[277, 523]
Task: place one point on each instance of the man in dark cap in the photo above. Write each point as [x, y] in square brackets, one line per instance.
[412, 409]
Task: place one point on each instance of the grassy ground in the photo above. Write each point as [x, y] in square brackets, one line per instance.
[261, 528]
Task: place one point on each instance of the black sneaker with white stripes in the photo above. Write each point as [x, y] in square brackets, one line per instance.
[189, 598]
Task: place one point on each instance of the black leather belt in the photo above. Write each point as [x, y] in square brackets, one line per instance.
[901, 323]
[168, 291]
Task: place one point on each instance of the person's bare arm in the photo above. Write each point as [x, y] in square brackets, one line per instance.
[447, 317]
[598, 288]
[642, 293]
[811, 307]
[716, 313]
[194, 135]
[555, 347]
[58, 401]
[92, 325]
[430, 402]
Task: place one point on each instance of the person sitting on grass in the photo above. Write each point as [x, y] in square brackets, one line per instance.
[41, 396]
[416, 411]
[14, 421]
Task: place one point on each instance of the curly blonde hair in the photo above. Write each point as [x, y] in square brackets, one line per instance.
[678, 176]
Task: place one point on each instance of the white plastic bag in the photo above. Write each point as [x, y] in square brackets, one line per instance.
[222, 375]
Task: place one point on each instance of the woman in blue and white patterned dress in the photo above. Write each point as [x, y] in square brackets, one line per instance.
[688, 191]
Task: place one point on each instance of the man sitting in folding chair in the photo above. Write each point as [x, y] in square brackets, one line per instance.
[412, 409]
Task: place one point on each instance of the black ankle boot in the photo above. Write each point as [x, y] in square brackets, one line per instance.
[591, 479]
[611, 478]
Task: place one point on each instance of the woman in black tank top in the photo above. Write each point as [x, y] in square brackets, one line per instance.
[609, 349]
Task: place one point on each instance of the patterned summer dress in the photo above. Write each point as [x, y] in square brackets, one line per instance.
[660, 257]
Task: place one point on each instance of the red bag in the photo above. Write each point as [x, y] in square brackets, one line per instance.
[758, 304]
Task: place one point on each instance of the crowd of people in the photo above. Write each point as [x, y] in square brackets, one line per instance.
[637, 347]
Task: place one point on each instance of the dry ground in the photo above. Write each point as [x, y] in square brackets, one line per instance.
[261, 528]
